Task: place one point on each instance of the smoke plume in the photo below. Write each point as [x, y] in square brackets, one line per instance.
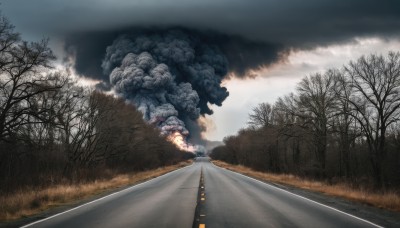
[171, 76]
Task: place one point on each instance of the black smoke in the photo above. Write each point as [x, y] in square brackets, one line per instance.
[183, 57]
[173, 75]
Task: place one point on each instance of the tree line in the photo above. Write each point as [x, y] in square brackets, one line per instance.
[52, 129]
[342, 124]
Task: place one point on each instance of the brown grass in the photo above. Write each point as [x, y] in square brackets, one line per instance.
[386, 200]
[26, 203]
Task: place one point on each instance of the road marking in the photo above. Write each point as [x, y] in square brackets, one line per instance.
[332, 208]
[203, 199]
[202, 225]
[123, 190]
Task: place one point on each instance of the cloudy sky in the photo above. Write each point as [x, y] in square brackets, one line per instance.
[281, 41]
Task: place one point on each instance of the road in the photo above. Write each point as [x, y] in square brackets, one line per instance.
[166, 201]
[231, 200]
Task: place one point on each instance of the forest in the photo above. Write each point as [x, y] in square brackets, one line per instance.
[341, 125]
[55, 130]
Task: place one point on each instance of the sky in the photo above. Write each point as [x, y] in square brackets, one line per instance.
[278, 42]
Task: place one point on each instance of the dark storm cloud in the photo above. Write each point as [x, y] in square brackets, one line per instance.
[290, 22]
[92, 25]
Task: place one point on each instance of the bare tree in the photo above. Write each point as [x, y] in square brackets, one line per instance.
[116, 129]
[375, 102]
[290, 127]
[22, 77]
[76, 118]
[344, 124]
[313, 108]
[261, 115]
[316, 105]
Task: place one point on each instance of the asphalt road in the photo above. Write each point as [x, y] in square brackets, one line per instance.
[231, 200]
[234, 200]
[166, 201]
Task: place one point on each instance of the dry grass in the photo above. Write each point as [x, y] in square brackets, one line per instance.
[387, 200]
[26, 203]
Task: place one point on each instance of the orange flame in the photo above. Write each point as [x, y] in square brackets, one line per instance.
[180, 141]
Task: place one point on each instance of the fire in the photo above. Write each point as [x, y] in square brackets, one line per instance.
[180, 141]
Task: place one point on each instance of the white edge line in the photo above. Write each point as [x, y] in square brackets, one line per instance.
[126, 189]
[332, 208]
